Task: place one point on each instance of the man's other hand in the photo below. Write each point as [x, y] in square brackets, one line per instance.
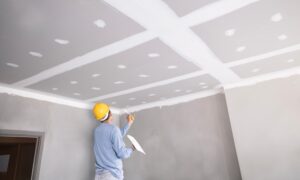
[130, 118]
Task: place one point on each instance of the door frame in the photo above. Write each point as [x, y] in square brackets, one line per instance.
[40, 136]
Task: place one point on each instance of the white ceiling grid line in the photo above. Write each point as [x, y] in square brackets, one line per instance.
[176, 35]
[264, 56]
[214, 10]
[173, 101]
[148, 86]
[90, 57]
[265, 77]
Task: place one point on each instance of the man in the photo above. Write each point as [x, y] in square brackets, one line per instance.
[109, 147]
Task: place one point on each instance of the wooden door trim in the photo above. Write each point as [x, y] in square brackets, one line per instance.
[40, 136]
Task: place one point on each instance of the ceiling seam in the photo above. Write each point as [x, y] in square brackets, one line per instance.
[264, 56]
[220, 8]
[172, 101]
[148, 86]
[186, 98]
[90, 57]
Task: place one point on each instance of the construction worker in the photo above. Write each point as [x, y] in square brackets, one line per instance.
[109, 147]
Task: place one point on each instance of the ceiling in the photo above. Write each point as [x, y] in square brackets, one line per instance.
[134, 52]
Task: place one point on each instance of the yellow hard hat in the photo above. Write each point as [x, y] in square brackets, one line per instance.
[101, 111]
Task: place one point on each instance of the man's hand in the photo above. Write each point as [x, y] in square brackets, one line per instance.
[130, 118]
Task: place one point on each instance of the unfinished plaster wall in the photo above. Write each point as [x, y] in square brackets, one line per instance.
[188, 141]
[265, 120]
[67, 148]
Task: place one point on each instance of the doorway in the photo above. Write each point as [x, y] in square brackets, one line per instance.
[17, 156]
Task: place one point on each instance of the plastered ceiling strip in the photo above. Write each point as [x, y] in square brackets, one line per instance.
[152, 85]
[12, 90]
[214, 10]
[173, 101]
[262, 78]
[246, 82]
[159, 18]
[264, 56]
[90, 57]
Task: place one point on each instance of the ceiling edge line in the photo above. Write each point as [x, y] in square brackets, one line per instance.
[47, 97]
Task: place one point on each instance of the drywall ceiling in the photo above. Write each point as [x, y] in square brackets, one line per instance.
[135, 52]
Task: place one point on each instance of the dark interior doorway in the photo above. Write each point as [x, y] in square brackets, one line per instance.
[17, 155]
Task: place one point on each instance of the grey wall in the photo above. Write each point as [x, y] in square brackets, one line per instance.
[189, 141]
[67, 148]
[265, 121]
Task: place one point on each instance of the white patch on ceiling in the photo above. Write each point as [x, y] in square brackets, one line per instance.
[291, 60]
[276, 17]
[204, 87]
[121, 66]
[132, 99]
[177, 90]
[12, 65]
[153, 55]
[230, 32]
[73, 82]
[282, 37]
[62, 41]
[143, 75]
[240, 48]
[152, 94]
[202, 83]
[172, 67]
[255, 70]
[113, 103]
[76, 94]
[96, 88]
[119, 82]
[54, 89]
[96, 75]
[36, 54]
[100, 23]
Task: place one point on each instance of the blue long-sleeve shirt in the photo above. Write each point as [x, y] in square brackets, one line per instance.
[109, 149]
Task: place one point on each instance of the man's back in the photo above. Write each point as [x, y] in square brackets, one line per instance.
[110, 149]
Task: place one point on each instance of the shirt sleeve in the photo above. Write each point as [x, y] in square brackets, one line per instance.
[119, 146]
[125, 129]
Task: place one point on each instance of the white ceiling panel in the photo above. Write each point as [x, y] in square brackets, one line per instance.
[180, 88]
[268, 65]
[147, 63]
[259, 28]
[36, 35]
